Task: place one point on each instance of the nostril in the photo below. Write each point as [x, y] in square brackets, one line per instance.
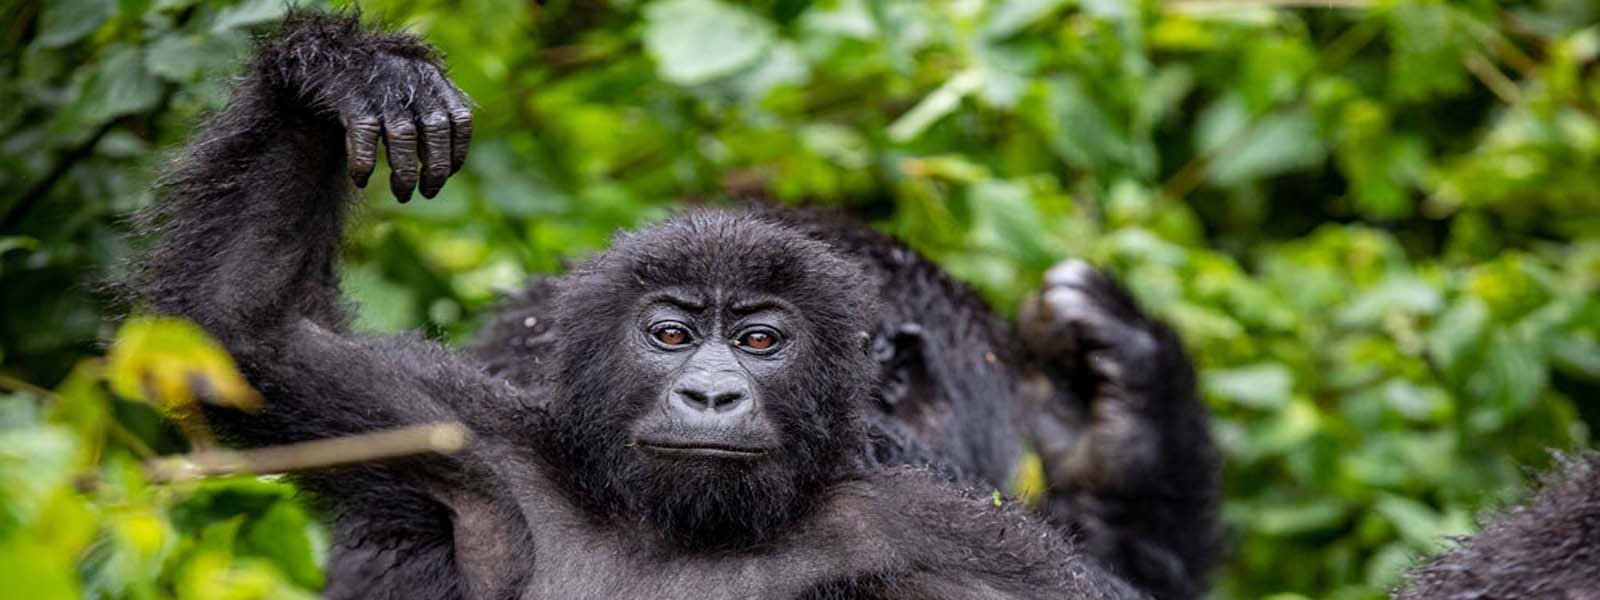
[710, 402]
[695, 399]
[726, 401]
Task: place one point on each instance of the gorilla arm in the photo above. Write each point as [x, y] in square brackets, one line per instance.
[907, 534]
[252, 213]
[1125, 444]
[243, 240]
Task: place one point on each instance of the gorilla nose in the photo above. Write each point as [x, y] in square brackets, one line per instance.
[716, 395]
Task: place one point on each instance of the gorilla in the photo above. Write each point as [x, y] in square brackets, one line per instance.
[1546, 548]
[754, 403]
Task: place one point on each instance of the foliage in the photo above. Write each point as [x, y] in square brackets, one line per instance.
[1375, 224]
[80, 516]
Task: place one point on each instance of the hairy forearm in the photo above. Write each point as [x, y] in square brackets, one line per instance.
[250, 214]
[244, 235]
[248, 217]
[1144, 481]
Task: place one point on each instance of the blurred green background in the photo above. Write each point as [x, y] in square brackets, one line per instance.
[1376, 224]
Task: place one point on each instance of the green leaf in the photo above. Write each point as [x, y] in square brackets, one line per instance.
[1431, 41]
[1005, 219]
[118, 85]
[1388, 563]
[384, 305]
[941, 102]
[1246, 148]
[248, 13]
[1458, 334]
[63, 22]
[1398, 295]
[1421, 525]
[1512, 374]
[186, 58]
[1010, 16]
[1261, 386]
[36, 464]
[1300, 516]
[1577, 354]
[696, 41]
[280, 536]
[1079, 131]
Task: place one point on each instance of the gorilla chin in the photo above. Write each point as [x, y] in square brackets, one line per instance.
[715, 502]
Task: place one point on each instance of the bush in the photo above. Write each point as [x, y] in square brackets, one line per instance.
[1375, 222]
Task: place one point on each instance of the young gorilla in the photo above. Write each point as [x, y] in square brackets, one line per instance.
[1547, 548]
[696, 412]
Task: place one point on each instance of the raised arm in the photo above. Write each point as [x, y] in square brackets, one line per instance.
[250, 217]
[252, 212]
[1125, 442]
[243, 239]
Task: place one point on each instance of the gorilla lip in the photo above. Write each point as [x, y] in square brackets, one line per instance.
[700, 449]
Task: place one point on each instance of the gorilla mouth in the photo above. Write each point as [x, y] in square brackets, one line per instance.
[688, 449]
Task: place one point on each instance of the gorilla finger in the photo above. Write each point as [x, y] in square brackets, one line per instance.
[401, 136]
[456, 106]
[434, 152]
[361, 147]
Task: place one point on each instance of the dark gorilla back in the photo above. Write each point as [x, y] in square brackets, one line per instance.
[1546, 548]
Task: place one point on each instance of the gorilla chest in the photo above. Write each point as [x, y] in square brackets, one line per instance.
[548, 549]
[582, 561]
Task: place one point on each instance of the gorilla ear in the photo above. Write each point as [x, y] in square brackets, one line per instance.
[866, 342]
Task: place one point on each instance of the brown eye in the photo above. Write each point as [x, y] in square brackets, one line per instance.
[672, 336]
[758, 340]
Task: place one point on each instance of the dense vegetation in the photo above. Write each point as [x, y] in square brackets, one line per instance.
[1377, 225]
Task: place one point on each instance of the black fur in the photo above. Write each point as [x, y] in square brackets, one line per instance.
[898, 386]
[1132, 471]
[1548, 548]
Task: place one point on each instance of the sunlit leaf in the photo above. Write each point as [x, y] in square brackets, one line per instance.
[173, 364]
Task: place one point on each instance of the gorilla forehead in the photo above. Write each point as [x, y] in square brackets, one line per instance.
[733, 251]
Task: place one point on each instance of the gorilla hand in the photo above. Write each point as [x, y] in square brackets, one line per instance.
[377, 85]
[1125, 448]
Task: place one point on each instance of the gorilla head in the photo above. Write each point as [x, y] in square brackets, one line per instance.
[710, 377]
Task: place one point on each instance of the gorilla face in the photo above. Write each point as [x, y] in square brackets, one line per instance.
[711, 377]
[712, 357]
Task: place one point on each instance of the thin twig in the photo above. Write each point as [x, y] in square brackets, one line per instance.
[1492, 78]
[8, 382]
[443, 438]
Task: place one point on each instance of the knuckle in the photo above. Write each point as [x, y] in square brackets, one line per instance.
[403, 130]
[435, 121]
[363, 125]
